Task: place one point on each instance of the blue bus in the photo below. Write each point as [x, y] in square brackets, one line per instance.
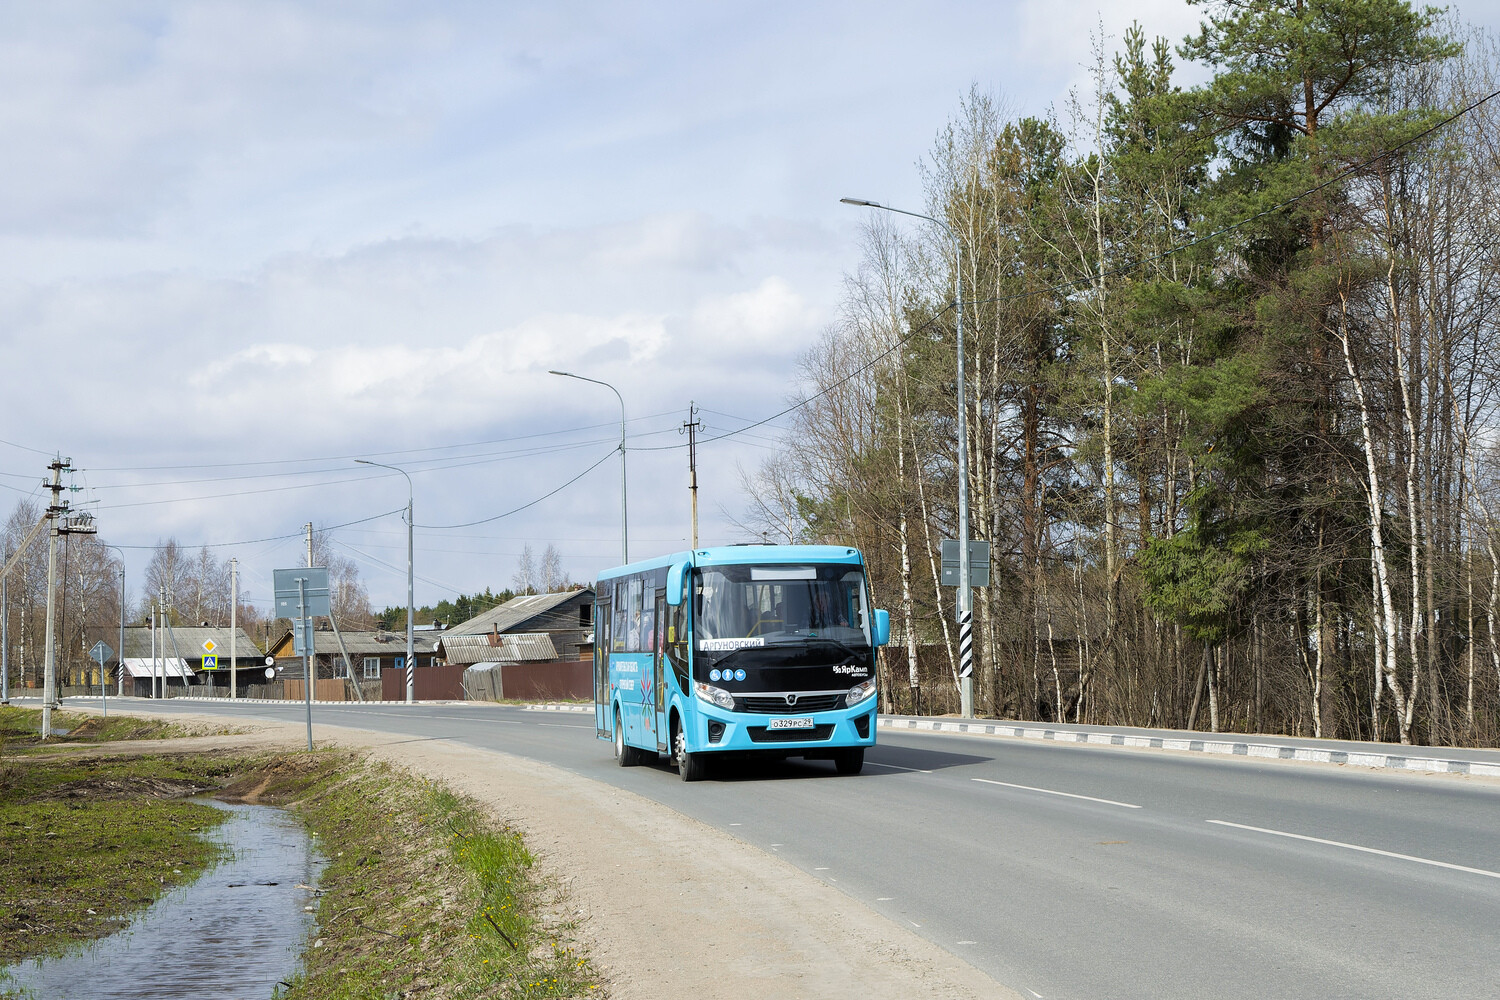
[758, 650]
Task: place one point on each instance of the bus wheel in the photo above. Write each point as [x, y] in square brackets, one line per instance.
[624, 754]
[690, 766]
[850, 761]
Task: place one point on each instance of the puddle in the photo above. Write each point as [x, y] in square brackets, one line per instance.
[234, 933]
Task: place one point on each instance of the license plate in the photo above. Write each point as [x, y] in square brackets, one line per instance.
[799, 723]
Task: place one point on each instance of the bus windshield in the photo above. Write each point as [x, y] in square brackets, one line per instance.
[767, 604]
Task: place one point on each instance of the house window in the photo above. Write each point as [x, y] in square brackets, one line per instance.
[372, 666]
[585, 615]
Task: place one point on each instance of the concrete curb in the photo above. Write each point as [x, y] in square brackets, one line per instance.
[1271, 751]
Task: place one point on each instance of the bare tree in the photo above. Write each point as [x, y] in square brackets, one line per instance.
[525, 576]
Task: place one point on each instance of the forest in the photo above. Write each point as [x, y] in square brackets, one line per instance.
[1230, 388]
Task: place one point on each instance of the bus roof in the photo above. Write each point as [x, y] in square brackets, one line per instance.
[739, 555]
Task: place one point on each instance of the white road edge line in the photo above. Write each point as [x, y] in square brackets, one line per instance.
[1067, 795]
[1357, 847]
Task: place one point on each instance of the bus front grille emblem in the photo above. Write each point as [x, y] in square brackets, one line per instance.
[791, 699]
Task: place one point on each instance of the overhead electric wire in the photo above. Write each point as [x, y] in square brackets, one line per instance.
[380, 454]
[272, 538]
[23, 447]
[400, 570]
[433, 465]
[486, 520]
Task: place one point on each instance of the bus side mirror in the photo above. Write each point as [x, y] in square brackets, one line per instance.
[882, 626]
[676, 579]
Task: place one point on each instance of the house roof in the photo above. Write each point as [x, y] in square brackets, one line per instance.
[512, 648]
[141, 666]
[538, 612]
[189, 642]
[325, 643]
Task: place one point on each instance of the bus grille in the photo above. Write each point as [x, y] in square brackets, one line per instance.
[776, 705]
[760, 734]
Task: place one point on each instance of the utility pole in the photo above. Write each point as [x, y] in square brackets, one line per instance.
[234, 627]
[62, 524]
[692, 425]
[309, 647]
[161, 629]
[49, 653]
[120, 656]
[4, 639]
[152, 607]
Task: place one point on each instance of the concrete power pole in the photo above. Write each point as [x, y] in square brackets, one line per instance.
[50, 647]
[692, 425]
[234, 627]
[309, 643]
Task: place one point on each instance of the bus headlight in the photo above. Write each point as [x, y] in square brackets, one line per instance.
[859, 692]
[714, 695]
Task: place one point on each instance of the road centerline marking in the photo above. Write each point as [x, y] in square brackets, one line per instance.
[1066, 795]
[1357, 847]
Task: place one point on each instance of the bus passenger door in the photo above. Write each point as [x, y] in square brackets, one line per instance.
[658, 667]
[604, 723]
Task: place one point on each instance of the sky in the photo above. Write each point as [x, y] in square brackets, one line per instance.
[244, 244]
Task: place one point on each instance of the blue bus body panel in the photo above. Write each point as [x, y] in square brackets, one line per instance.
[634, 676]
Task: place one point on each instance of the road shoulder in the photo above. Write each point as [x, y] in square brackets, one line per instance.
[668, 905]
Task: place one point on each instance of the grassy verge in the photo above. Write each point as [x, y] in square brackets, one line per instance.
[426, 897]
[88, 842]
[20, 729]
[423, 894]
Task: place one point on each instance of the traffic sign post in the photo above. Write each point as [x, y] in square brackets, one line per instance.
[300, 594]
[101, 652]
[979, 563]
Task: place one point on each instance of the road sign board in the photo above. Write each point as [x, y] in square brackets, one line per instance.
[209, 645]
[210, 662]
[299, 639]
[288, 592]
[979, 563]
[101, 652]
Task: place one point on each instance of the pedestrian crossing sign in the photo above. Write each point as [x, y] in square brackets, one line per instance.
[210, 662]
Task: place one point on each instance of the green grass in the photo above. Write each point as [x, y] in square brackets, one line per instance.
[423, 894]
[21, 728]
[87, 843]
[428, 898]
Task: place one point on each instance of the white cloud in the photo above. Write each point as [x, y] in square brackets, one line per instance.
[263, 232]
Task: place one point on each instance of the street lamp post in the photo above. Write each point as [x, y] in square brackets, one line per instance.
[964, 603]
[411, 605]
[624, 532]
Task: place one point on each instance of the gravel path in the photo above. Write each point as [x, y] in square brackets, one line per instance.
[668, 906]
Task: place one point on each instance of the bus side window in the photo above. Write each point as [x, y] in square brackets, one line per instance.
[677, 646]
[617, 632]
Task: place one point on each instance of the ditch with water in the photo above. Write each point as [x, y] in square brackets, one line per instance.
[234, 933]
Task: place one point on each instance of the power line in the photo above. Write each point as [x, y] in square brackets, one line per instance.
[38, 451]
[271, 538]
[350, 458]
[532, 503]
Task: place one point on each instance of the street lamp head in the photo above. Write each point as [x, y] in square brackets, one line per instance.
[554, 371]
[364, 461]
[861, 203]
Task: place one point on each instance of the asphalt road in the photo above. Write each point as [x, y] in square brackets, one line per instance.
[1081, 872]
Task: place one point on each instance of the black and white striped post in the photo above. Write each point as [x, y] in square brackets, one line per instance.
[964, 604]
